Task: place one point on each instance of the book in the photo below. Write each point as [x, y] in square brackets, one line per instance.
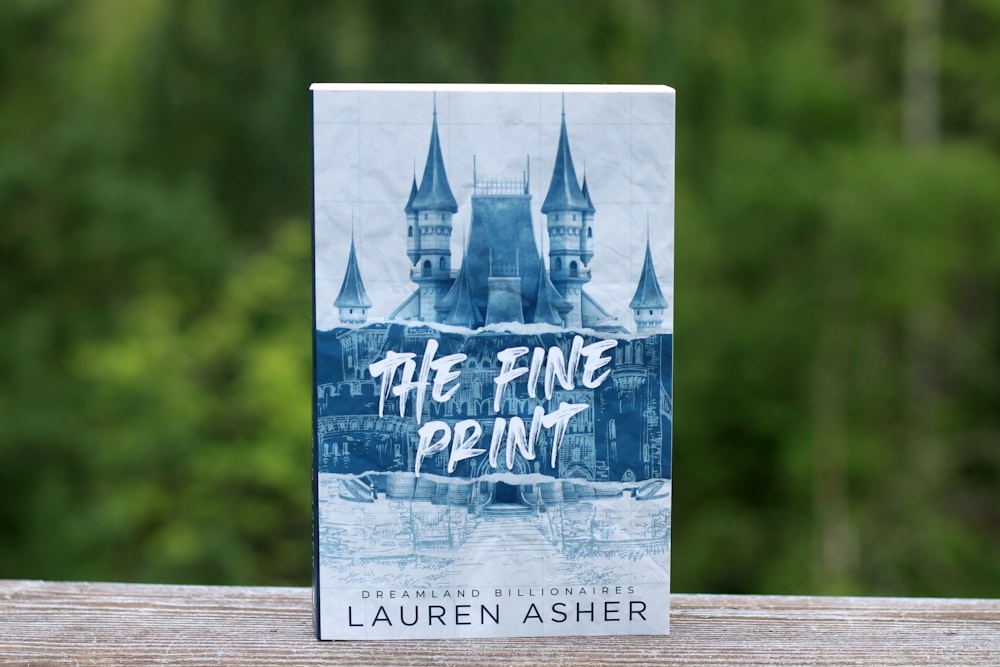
[493, 355]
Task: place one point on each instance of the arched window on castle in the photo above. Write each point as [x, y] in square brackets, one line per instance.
[427, 268]
[574, 270]
[409, 231]
[558, 265]
[590, 232]
[441, 264]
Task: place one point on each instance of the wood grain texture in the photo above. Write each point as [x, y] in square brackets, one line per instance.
[44, 623]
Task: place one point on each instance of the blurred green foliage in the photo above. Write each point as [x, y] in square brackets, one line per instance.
[838, 313]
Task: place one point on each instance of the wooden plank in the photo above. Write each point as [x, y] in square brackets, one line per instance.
[99, 624]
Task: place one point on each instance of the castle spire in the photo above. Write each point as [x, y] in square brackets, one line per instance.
[550, 306]
[352, 302]
[413, 195]
[648, 303]
[413, 245]
[648, 293]
[458, 307]
[586, 195]
[434, 193]
[564, 189]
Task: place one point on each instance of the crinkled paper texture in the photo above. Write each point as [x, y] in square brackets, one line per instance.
[563, 530]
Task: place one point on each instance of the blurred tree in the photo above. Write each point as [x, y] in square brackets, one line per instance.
[837, 325]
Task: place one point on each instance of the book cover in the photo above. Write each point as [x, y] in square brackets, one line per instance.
[493, 358]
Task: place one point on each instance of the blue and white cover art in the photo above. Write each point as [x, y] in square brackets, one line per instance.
[493, 360]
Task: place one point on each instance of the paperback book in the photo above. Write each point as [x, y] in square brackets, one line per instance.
[493, 354]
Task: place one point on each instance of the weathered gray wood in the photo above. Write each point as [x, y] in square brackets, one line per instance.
[86, 624]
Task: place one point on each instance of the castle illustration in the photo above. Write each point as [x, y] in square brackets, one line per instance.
[503, 277]
[604, 492]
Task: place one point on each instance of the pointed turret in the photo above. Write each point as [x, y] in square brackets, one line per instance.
[550, 307]
[434, 193]
[564, 190]
[586, 196]
[458, 307]
[568, 217]
[587, 231]
[352, 303]
[413, 195]
[430, 219]
[648, 303]
[412, 228]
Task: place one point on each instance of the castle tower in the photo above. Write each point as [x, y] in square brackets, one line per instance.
[648, 303]
[569, 216]
[587, 231]
[429, 220]
[412, 228]
[501, 263]
[352, 303]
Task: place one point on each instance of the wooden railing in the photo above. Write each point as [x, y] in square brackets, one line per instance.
[43, 623]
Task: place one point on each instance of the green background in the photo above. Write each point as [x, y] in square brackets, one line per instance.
[838, 272]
